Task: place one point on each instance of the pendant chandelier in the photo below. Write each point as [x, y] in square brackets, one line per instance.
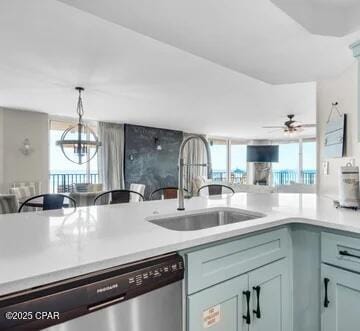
[79, 143]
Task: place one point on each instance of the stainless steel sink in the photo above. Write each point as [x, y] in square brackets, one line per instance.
[205, 220]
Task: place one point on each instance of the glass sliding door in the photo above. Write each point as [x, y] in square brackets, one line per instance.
[309, 162]
[238, 167]
[219, 156]
[297, 161]
[286, 171]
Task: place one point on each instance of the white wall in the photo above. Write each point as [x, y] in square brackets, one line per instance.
[343, 89]
[15, 126]
[1, 149]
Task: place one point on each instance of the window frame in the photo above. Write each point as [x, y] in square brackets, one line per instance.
[230, 141]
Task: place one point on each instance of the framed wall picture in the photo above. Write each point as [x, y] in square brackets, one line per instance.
[335, 137]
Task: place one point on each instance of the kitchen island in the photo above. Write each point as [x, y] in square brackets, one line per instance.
[43, 247]
[298, 251]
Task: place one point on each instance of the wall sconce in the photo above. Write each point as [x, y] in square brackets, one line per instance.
[157, 144]
[26, 148]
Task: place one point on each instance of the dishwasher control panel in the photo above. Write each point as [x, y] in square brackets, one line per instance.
[155, 273]
[144, 278]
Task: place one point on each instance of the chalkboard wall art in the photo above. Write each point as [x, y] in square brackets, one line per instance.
[151, 157]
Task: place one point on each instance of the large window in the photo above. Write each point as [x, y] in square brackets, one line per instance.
[219, 159]
[64, 173]
[238, 162]
[286, 170]
[297, 162]
[228, 160]
[309, 162]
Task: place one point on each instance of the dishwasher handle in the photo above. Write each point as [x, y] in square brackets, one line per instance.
[106, 303]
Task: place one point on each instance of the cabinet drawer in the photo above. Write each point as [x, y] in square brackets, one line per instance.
[342, 251]
[220, 262]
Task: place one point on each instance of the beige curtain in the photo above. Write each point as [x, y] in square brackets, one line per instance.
[111, 155]
[195, 153]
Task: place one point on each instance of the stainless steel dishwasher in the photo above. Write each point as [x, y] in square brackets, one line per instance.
[141, 296]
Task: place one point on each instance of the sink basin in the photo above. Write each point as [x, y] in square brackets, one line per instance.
[198, 221]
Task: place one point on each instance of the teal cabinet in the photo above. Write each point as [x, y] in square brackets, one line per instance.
[256, 301]
[212, 265]
[219, 308]
[340, 299]
[271, 301]
[341, 251]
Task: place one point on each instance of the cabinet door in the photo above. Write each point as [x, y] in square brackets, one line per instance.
[271, 304]
[219, 308]
[341, 301]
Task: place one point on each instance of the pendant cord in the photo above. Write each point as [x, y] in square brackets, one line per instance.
[80, 108]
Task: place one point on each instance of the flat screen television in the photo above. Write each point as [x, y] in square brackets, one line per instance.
[262, 153]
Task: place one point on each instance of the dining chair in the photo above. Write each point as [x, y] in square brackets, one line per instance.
[8, 204]
[84, 199]
[139, 188]
[87, 187]
[49, 202]
[96, 187]
[164, 193]
[23, 192]
[80, 187]
[116, 196]
[34, 186]
[215, 189]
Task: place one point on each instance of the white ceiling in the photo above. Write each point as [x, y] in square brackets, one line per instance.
[338, 3]
[254, 37]
[48, 47]
[324, 17]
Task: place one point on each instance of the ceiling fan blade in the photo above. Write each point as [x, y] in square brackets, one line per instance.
[295, 124]
[279, 130]
[272, 127]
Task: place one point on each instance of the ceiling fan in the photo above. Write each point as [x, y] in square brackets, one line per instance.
[291, 126]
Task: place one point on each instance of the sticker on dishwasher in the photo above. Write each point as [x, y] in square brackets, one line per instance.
[211, 316]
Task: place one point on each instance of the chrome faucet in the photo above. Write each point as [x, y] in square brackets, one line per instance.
[182, 164]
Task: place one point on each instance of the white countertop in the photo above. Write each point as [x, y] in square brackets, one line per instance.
[38, 248]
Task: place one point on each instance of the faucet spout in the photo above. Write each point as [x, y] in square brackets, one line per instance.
[181, 164]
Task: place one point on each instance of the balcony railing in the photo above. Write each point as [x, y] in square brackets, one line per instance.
[309, 177]
[284, 177]
[280, 177]
[60, 183]
[236, 177]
